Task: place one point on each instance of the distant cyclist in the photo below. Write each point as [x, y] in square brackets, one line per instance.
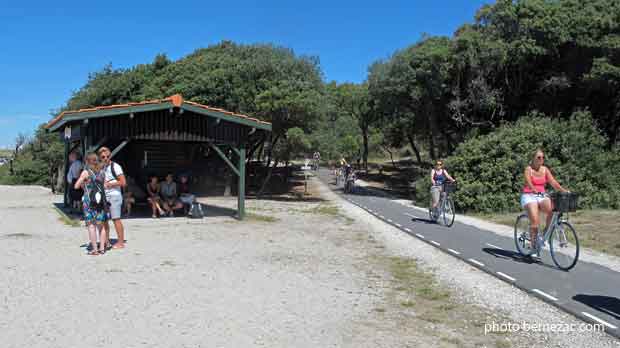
[317, 159]
[533, 198]
[438, 177]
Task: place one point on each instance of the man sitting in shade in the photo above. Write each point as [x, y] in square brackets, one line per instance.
[169, 195]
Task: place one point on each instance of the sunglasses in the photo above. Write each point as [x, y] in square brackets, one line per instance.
[104, 156]
[540, 157]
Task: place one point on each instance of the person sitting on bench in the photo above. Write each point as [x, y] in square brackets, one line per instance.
[153, 189]
[185, 196]
[168, 192]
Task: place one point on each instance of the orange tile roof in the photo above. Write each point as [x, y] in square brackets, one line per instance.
[176, 100]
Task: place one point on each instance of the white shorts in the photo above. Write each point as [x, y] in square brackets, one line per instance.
[527, 198]
[116, 203]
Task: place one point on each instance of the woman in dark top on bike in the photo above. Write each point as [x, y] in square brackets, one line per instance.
[533, 198]
[438, 176]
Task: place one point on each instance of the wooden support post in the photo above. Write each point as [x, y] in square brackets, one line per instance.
[64, 179]
[241, 189]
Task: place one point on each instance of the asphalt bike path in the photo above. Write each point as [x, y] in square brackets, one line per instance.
[589, 291]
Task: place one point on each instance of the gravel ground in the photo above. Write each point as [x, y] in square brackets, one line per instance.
[304, 277]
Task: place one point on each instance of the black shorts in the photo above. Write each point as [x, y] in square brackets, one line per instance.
[75, 195]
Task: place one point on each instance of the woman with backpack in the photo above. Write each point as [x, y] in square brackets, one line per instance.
[94, 203]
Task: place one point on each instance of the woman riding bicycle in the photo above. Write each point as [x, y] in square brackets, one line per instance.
[533, 198]
[438, 177]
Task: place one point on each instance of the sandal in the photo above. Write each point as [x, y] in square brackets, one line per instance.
[93, 253]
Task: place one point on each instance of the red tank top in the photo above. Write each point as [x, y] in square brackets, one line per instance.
[538, 182]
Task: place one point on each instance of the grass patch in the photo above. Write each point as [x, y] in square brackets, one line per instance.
[65, 219]
[411, 278]
[324, 209]
[260, 218]
[435, 312]
[597, 229]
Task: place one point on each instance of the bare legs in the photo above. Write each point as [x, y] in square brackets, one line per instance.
[103, 238]
[533, 210]
[155, 207]
[171, 205]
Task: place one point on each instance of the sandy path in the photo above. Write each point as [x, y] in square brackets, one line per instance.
[219, 283]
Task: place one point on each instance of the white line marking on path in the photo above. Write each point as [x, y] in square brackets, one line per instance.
[371, 211]
[437, 244]
[493, 246]
[476, 262]
[454, 251]
[398, 225]
[419, 235]
[408, 230]
[544, 294]
[381, 216]
[390, 220]
[599, 320]
[506, 276]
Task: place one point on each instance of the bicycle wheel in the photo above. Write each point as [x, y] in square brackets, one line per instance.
[564, 246]
[522, 235]
[448, 212]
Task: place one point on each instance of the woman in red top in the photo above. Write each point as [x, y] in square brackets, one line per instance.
[533, 199]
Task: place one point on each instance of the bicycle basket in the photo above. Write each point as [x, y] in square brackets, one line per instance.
[564, 202]
[449, 187]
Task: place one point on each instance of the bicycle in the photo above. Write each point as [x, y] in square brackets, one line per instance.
[560, 234]
[445, 206]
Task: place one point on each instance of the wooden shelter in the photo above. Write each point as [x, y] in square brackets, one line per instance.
[162, 126]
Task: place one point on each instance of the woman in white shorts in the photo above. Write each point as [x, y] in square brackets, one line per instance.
[533, 197]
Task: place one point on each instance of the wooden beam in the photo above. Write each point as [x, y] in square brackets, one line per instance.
[226, 117]
[96, 146]
[223, 156]
[109, 112]
[119, 148]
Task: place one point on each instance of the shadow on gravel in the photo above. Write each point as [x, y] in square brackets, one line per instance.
[143, 211]
[606, 304]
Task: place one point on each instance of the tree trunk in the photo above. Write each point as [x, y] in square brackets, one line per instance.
[391, 153]
[267, 177]
[365, 152]
[274, 141]
[431, 136]
[415, 149]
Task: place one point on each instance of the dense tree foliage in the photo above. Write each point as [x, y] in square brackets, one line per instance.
[518, 56]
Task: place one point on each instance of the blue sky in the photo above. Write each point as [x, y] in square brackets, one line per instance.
[49, 47]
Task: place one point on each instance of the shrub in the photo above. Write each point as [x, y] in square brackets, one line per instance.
[489, 168]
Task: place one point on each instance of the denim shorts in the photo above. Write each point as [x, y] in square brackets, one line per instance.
[527, 198]
[116, 203]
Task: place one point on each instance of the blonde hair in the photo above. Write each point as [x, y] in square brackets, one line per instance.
[103, 149]
[96, 167]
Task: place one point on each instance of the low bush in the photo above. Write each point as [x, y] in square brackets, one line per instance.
[489, 168]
